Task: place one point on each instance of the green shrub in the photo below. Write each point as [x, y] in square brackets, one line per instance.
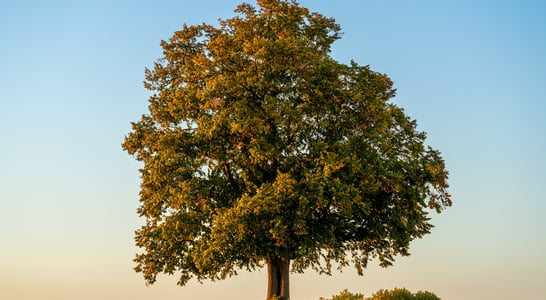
[425, 295]
[395, 294]
[346, 295]
[402, 294]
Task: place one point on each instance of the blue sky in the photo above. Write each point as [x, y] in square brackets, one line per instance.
[472, 73]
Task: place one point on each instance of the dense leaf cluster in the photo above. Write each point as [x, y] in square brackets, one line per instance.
[259, 145]
[394, 294]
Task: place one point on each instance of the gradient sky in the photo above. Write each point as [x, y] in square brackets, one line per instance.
[472, 73]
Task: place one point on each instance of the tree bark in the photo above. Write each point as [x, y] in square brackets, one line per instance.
[278, 284]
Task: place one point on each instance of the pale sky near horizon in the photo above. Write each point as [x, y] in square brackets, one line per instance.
[472, 73]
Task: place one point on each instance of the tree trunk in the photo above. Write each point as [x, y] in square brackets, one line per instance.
[278, 272]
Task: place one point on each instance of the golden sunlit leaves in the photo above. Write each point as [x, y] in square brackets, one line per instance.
[259, 147]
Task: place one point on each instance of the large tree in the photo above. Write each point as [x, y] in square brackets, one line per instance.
[261, 149]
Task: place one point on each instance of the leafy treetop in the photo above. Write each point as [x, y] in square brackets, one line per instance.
[260, 147]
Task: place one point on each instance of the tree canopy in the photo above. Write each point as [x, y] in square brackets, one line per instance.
[260, 149]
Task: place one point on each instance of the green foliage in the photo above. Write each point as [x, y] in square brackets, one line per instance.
[425, 295]
[402, 294]
[395, 294]
[259, 147]
[346, 295]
